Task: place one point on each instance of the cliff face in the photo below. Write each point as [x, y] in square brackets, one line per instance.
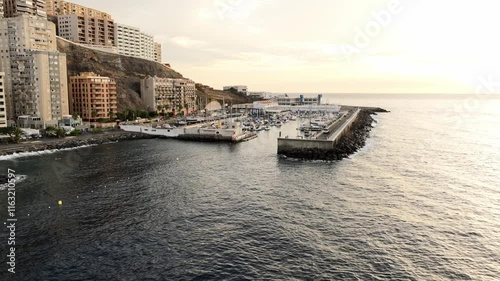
[128, 72]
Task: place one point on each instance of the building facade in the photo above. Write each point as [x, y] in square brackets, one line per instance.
[3, 105]
[147, 46]
[301, 100]
[14, 8]
[131, 41]
[61, 7]
[238, 88]
[88, 30]
[35, 72]
[92, 96]
[157, 52]
[128, 40]
[168, 95]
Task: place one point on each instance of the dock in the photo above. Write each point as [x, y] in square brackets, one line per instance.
[322, 145]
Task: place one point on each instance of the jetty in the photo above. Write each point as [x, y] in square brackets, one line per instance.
[340, 139]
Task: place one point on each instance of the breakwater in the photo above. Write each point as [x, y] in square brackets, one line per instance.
[74, 142]
[350, 139]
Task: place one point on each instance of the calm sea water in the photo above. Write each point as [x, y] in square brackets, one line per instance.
[420, 202]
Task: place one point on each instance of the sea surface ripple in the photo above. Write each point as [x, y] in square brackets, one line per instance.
[421, 201]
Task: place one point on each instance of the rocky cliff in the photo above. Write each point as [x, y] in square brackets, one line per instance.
[128, 71]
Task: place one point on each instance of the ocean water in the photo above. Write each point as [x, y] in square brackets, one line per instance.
[421, 201]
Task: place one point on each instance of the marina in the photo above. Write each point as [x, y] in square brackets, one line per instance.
[238, 125]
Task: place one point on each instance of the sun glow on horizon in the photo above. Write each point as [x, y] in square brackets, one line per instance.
[330, 46]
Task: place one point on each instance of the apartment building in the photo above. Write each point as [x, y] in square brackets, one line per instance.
[92, 96]
[157, 52]
[131, 41]
[128, 40]
[14, 8]
[88, 30]
[35, 72]
[3, 109]
[60, 7]
[168, 95]
[147, 46]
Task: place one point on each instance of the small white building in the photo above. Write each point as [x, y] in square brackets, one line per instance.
[261, 95]
[239, 89]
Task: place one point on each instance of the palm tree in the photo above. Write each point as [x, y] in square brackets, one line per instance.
[111, 114]
[13, 132]
[94, 115]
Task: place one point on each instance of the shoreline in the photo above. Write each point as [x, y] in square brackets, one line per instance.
[68, 143]
[347, 145]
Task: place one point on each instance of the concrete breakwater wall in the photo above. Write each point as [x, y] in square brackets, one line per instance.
[350, 140]
[70, 142]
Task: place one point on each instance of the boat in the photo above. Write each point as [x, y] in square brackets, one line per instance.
[315, 128]
[181, 123]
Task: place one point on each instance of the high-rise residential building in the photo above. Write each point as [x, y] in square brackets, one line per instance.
[14, 8]
[92, 96]
[3, 109]
[1, 8]
[147, 46]
[128, 40]
[35, 72]
[61, 7]
[157, 52]
[168, 95]
[86, 30]
[132, 42]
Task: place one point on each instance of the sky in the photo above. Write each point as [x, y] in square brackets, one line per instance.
[328, 46]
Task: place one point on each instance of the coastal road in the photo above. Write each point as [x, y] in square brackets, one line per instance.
[15, 147]
[337, 125]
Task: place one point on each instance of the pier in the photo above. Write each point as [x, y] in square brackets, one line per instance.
[327, 145]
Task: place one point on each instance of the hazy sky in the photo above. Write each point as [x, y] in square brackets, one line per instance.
[331, 46]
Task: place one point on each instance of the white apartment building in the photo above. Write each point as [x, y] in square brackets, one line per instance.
[128, 40]
[238, 88]
[168, 95]
[132, 42]
[158, 57]
[35, 72]
[3, 109]
[147, 46]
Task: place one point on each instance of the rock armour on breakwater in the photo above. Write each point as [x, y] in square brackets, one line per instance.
[347, 145]
[70, 143]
